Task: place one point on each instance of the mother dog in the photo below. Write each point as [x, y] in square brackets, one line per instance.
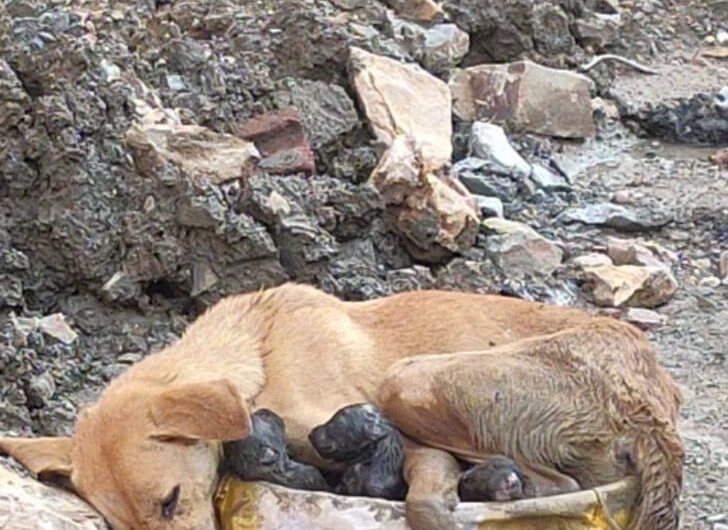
[146, 453]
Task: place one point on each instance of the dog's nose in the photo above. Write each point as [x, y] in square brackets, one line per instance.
[512, 481]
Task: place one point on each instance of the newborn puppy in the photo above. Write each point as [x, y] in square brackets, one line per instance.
[263, 456]
[360, 436]
[497, 479]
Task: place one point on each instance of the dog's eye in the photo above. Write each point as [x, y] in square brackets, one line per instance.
[268, 456]
[169, 504]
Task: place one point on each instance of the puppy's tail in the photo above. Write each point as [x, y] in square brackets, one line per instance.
[659, 457]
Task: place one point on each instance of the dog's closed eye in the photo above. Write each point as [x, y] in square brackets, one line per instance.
[169, 504]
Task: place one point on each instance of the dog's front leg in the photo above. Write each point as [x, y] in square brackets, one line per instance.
[432, 478]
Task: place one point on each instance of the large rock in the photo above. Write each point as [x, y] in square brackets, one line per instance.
[432, 211]
[526, 96]
[444, 46]
[610, 215]
[627, 252]
[519, 249]
[26, 504]
[630, 285]
[404, 99]
[198, 152]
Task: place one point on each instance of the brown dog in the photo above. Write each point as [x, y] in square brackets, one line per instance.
[146, 454]
[596, 414]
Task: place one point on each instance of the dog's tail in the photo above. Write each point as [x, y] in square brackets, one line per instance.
[659, 457]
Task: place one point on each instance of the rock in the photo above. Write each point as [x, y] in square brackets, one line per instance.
[548, 180]
[200, 153]
[281, 141]
[525, 96]
[403, 99]
[593, 259]
[488, 142]
[723, 264]
[720, 158]
[552, 35]
[701, 119]
[478, 177]
[489, 206]
[635, 286]
[644, 319]
[41, 390]
[433, 212]
[55, 325]
[11, 290]
[598, 31]
[121, 288]
[421, 10]
[519, 249]
[203, 278]
[608, 215]
[326, 110]
[26, 504]
[626, 252]
[444, 47]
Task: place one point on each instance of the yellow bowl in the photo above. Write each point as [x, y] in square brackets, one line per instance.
[261, 506]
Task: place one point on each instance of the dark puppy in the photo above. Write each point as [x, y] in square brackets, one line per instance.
[497, 479]
[360, 436]
[263, 456]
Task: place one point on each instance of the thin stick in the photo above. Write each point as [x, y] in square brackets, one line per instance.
[612, 57]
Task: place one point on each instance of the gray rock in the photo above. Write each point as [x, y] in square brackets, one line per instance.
[11, 290]
[489, 142]
[519, 249]
[552, 35]
[479, 178]
[41, 390]
[444, 47]
[548, 180]
[489, 206]
[609, 215]
[326, 110]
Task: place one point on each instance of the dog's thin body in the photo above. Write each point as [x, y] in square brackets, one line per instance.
[596, 414]
[291, 349]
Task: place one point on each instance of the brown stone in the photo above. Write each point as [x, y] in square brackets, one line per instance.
[420, 10]
[644, 319]
[200, 153]
[430, 208]
[403, 99]
[527, 97]
[26, 504]
[630, 252]
[282, 142]
[630, 285]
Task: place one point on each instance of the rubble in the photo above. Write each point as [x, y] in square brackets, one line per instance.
[610, 215]
[519, 249]
[430, 209]
[525, 96]
[630, 285]
[488, 142]
[200, 153]
[281, 142]
[403, 99]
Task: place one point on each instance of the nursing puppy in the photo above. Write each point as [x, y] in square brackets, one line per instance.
[496, 479]
[146, 454]
[361, 437]
[263, 456]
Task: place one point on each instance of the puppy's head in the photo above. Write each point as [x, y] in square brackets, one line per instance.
[146, 459]
[499, 479]
[351, 434]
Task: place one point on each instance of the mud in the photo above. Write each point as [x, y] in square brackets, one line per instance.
[130, 257]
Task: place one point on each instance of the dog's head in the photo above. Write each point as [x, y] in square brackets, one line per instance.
[146, 459]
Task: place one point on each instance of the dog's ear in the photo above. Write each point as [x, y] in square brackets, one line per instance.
[211, 410]
[46, 458]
